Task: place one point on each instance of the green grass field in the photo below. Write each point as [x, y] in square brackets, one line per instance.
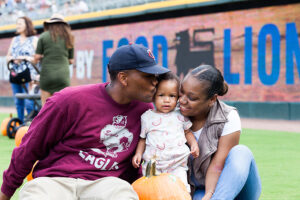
[277, 155]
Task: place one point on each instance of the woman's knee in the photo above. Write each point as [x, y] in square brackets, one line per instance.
[241, 151]
[116, 182]
[240, 158]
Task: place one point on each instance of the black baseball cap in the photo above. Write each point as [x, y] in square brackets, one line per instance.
[135, 56]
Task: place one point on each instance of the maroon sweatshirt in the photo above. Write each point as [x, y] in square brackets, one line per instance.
[81, 132]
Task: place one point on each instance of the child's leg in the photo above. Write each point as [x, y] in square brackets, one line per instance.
[182, 174]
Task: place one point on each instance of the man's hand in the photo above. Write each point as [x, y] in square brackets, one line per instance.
[136, 160]
[3, 196]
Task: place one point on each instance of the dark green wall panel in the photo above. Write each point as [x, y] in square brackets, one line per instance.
[268, 110]
[263, 110]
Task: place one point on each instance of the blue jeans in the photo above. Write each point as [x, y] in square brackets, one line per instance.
[21, 103]
[239, 179]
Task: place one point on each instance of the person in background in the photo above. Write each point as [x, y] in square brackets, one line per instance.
[22, 48]
[55, 50]
[224, 169]
[84, 137]
[165, 132]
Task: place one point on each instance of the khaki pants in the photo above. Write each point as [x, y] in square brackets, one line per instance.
[60, 188]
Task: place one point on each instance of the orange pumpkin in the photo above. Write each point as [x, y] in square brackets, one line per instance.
[29, 177]
[19, 135]
[160, 187]
[3, 126]
[18, 138]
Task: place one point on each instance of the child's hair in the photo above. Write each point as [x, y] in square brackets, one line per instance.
[168, 76]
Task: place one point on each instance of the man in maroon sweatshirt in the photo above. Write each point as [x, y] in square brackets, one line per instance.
[84, 137]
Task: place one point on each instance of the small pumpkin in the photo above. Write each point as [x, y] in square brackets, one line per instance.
[19, 135]
[29, 177]
[18, 139]
[3, 126]
[160, 187]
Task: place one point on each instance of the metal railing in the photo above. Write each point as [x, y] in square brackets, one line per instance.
[35, 10]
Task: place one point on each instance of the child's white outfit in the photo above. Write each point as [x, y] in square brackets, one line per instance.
[165, 141]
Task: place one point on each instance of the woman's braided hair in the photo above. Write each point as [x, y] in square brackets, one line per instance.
[213, 79]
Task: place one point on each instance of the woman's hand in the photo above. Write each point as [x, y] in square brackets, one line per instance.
[21, 57]
[28, 58]
[17, 61]
[207, 196]
[36, 78]
[218, 160]
[71, 61]
[37, 58]
[136, 160]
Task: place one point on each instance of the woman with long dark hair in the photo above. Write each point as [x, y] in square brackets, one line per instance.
[21, 52]
[55, 49]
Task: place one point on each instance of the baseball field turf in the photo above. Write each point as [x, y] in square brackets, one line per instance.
[277, 155]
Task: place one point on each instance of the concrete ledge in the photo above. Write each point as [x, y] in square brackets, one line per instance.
[271, 124]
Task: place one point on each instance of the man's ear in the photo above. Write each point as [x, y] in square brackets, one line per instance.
[123, 78]
[213, 100]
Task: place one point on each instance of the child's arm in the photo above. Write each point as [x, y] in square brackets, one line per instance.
[191, 140]
[136, 160]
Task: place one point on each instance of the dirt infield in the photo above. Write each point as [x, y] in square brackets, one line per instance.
[267, 124]
[8, 110]
[262, 124]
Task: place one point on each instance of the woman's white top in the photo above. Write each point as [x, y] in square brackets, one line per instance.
[233, 125]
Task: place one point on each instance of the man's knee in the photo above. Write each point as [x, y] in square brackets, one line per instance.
[108, 188]
[48, 188]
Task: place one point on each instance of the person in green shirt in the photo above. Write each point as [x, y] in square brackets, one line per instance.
[55, 50]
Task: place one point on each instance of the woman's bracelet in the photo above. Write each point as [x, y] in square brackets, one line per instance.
[212, 193]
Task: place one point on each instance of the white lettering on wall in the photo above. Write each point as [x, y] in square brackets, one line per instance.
[80, 64]
[4, 73]
[84, 62]
[89, 62]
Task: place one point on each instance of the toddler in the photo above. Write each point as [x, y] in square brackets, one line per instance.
[164, 133]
